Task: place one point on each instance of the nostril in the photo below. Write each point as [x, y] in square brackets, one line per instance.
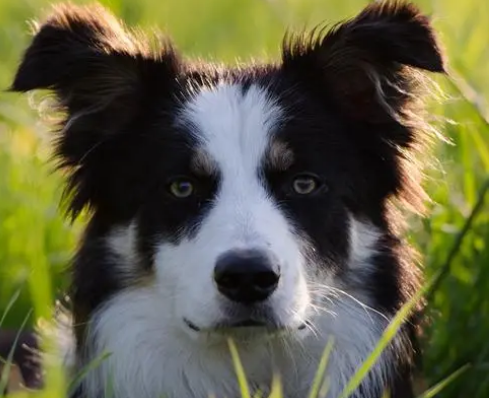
[228, 281]
[266, 280]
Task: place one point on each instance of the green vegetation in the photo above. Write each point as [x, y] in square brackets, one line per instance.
[36, 243]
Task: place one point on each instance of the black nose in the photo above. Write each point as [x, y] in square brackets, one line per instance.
[246, 276]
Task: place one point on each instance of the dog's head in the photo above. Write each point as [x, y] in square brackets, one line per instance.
[237, 195]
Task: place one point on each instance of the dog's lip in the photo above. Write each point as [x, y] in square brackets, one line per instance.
[243, 324]
[191, 325]
[228, 325]
[303, 325]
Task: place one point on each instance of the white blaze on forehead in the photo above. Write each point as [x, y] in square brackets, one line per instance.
[234, 125]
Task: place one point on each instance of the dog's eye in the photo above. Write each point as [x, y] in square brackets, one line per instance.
[306, 184]
[181, 188]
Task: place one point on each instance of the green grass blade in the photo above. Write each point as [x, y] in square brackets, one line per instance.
[444, 383]
[477, 101]
[276, 389]
[9, 306]
[322, 367]
[258, 394]
[386, 394]
[95, 363]
[387, 336]
[446, 267]
[6, 370]
[242, 378]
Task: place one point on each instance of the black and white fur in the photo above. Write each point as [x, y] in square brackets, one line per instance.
[341, 108]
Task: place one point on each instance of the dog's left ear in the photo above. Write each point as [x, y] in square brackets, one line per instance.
[367, 63]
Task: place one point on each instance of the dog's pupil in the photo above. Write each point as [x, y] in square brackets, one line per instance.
[181, 188]
[184, 187]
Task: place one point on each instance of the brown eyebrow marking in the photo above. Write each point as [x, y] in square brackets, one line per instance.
[203, 164]
[280, 156]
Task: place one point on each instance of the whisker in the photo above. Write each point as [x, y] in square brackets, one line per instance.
[330, 291]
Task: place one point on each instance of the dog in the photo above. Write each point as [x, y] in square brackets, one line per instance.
[262, 203]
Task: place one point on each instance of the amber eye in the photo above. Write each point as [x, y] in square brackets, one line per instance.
[305, 184]
[181, 188]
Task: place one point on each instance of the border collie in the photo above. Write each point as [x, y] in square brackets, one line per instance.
[256, 202]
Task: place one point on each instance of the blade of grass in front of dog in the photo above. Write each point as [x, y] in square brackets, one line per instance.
[6, 370]
[109, 390]
[387, 336]
[320, 373]
[276, 388]
[9, 306]
[242, 378]
[95, 363]
[431, 392]
[325, 387]
[258, 394]
[386, 394]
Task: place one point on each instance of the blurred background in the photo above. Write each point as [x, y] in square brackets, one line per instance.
[36, 243]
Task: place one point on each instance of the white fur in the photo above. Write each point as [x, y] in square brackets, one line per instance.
[363, 237]
[152, 357]
[122, 243]
[154, 353]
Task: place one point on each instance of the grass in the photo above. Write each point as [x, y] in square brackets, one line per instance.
[36, 243]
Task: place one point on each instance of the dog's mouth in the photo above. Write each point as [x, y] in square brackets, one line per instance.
[246, 323]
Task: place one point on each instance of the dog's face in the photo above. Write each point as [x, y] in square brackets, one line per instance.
[237, 196]
[225, 241]
[230, 231]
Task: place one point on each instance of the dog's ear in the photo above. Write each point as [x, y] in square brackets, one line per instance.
[90, 60]
[368, 63]
[370, 70]
[104, 77]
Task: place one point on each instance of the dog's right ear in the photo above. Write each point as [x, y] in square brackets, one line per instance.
[92, 62]
[104, 78]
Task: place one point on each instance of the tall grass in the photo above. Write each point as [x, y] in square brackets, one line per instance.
[35, 242]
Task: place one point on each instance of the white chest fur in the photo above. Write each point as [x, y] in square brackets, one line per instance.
[152, 356]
